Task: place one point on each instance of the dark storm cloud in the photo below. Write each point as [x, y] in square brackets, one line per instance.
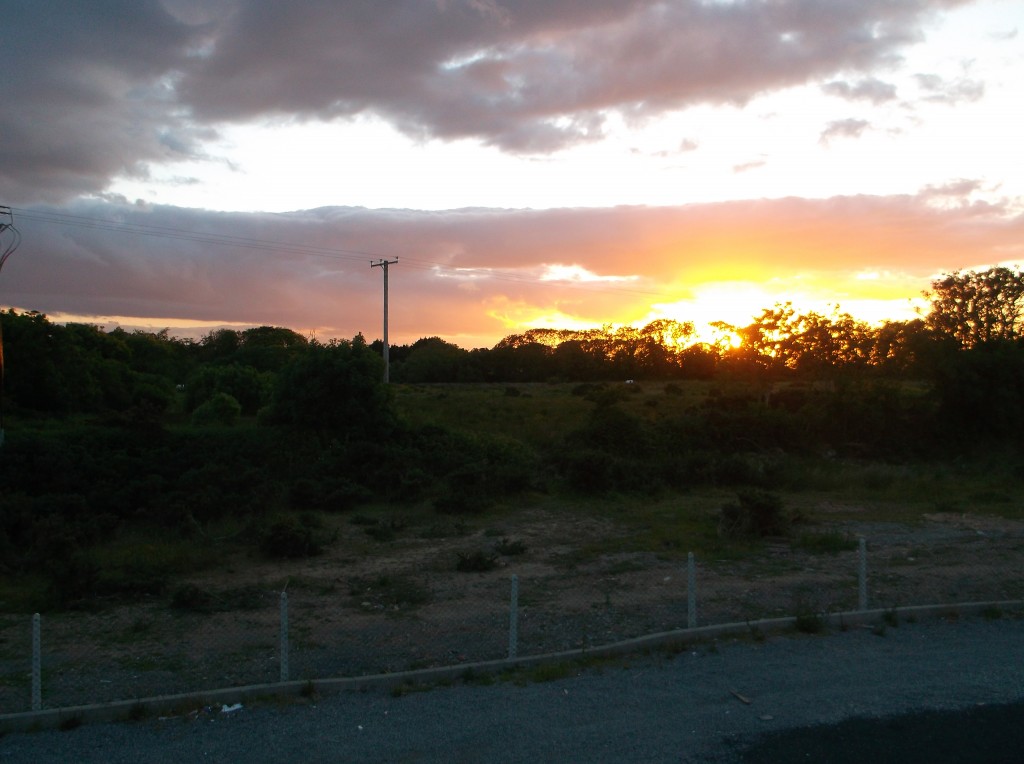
[531, 75]
[87, 92]
[97, 90]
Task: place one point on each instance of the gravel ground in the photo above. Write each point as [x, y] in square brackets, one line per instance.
[784, 699]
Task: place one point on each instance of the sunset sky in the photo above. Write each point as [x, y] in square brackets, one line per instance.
[192, 164]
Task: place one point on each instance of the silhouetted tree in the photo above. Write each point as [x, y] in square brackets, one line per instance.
[334, 390]
[974, 307]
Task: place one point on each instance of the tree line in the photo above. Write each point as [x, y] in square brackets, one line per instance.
[970, 337]
[968, 310]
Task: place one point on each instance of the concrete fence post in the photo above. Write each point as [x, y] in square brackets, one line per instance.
[284, 637]
[862, 574]
[691, 592]
[37, 664]
[513, 619]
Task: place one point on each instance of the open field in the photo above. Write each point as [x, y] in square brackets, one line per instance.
[388, 594]
[402, 585]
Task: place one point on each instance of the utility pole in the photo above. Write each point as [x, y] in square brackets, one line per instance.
[6, 225]
[383, 265]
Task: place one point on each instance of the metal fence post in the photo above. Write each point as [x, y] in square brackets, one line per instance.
[862, 575]
[691, 592]
[284, 637]
[37, 665]
[513, 619]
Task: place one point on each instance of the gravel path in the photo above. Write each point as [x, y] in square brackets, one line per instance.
[727, 702]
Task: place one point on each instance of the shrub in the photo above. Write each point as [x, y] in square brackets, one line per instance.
[293, 536]
[192, 598]
[220, 409]
[388, 591]
[832, 542]
[476, 562]
[510, 548]
[755, 513]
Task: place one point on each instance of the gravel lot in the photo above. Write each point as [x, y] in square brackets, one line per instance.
[729, 701]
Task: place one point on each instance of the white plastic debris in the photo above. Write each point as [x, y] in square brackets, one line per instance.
[226, 709]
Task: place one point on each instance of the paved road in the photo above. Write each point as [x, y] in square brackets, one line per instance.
[733, 701]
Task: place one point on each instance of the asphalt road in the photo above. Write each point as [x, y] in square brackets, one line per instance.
[932, 691]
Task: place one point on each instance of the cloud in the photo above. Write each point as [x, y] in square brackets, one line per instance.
[870, 89]
[88, 93]
[939, 90]
[843, 128]
[753, 164]
[98, 90]
[959, 189]
[467, 275]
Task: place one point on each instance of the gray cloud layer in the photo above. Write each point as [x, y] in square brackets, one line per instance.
[106, 88]
[460, 271]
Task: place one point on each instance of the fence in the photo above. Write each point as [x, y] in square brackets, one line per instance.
[322, 627]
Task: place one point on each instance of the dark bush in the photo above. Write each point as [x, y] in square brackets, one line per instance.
[755, 514]
[510, 548]
[192, 598]
[476, 562]
[219, 409]
[291, 536]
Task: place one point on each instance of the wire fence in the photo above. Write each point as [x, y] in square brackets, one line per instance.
[399, 620]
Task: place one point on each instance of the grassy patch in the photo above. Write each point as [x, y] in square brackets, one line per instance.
[476, 561]
[510, 548]
[831, 542]
[388, 591]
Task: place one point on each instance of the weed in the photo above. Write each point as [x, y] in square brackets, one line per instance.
[193, 599]
[989, 496]
[70, 723]
[290, 536]
[808, 622]
[550, 672]
[308, 689]
[475, 562]
[137, 712]
[388, 591]
[385, 530]
[891, 618]
[992, 613]
[481, 679]
[831, 542]
[408, 688]
[624, 566]
[755, 513]
[509, 548]
[362, 520]
[457, 529]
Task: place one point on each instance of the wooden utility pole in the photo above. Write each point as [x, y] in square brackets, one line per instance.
[6, 226]
[383, 265]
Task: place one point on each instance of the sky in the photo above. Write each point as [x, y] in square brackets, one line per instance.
[197, 164]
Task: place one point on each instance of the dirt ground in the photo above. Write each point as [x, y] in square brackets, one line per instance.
[369, 606]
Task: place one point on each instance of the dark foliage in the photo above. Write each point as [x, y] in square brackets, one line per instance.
[755, 513]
